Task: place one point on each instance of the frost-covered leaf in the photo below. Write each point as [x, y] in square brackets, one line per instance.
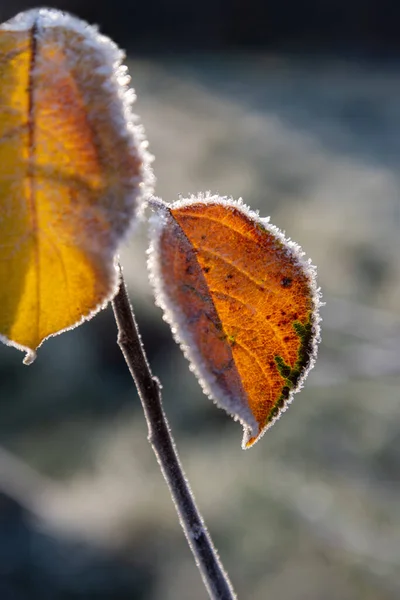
[73, 172]
[241, 300]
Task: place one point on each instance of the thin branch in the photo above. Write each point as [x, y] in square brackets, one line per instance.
[207, 560]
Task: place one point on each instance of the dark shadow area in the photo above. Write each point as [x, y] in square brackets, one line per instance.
[307, 26]
[38, 563]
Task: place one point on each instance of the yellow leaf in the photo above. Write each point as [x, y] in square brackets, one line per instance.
[73, 172]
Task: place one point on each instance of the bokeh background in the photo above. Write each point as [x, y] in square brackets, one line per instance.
[293, 105]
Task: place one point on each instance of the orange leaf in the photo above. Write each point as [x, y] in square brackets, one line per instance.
[241, 300]
[73, 169]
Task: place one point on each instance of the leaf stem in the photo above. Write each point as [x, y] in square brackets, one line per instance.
[206, 557]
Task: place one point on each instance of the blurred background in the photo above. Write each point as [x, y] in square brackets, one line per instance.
[295, 107]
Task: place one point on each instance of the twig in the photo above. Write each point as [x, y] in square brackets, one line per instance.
[207, 560]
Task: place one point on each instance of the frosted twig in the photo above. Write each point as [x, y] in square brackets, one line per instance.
[206, 557]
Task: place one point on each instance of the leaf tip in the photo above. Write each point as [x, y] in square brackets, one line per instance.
[30, 357]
